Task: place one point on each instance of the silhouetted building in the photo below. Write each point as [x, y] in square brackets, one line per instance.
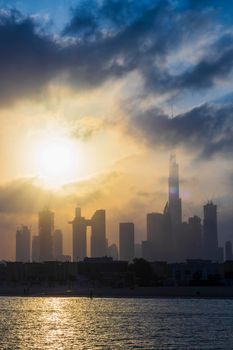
[195, 248]
[46, 227]
[210, 232]
[113, 251]
[57, 244]
[175, 210]
[159, 234]
[228, 251]
[174, 200]
[220, 257]
[64, 258]
[126, 241]
[168, 240]
[147, 251]
[104, 271]
[98, 234]
[79, 225]
[197, 272]
[35, 249]
[23, 243]
[155, 233]
[137, 250]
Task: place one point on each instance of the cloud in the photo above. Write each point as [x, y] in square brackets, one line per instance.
[107, 40]
[26, 195]
[23, 196]
[28, 59]
[206, 130]
[85, 128]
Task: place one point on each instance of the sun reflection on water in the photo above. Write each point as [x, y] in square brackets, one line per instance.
[116, 324]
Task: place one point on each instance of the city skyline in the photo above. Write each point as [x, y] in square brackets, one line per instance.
[90, 112]
[116, 174]
[168, 237]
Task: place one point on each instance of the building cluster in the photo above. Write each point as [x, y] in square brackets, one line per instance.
[168, 237]
[106, 272]
[46, 246]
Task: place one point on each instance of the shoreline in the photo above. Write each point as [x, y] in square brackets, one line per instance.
[138, 292]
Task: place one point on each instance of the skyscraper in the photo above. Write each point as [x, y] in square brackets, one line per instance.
[113, 251]
[220, 255]
[210, 232]
[57, 244]
[138, 250]
[228, 251]
[174, 206]
[79, 225]
[98, 234]
[46, 227]
[156, 234]
[168, 241]
[195, 238]
[147, 252]
[155, 228]
[35, 249]
[126, 241]
[174, 200]
[23, 243]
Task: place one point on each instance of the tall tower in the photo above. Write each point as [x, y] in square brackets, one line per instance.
[174, 199]
[210, 232]
[98, 234]
[174, 208]
[228, 251]
[57, 244]
[155, 234]
[126, 241]
[46, 225]
[79, 225]
[35, 249]
[23, 242]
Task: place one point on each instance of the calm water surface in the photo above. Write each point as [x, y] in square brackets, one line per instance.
[80, 323]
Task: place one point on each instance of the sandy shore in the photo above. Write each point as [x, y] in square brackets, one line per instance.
[139, 292]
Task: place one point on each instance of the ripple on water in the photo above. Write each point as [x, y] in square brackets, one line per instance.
[81, 323]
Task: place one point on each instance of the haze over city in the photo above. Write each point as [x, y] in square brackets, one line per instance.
[116, 176]
[96, 95]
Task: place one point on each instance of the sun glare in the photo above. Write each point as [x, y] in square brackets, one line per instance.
[56, 160]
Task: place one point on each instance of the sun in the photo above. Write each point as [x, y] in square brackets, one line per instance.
[56, 159]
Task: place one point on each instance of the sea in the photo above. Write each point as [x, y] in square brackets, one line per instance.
[104, 323]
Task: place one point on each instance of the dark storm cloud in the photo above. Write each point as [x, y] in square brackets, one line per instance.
[107, 40]
[207, 129]
[27, 60]
[216, 64]
[136, 38]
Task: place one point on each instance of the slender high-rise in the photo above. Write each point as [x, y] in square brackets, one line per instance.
[210, 232]
[155, 234]
[79, 225]
[46, 227]
[174, 199]
[35, 249]
[228, 251]
[174, 206]
[126, 241]
[23, 243]
[194, 248]
[98, 234]
[57, 244]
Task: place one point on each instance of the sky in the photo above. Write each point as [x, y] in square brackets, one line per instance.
[95, 94]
